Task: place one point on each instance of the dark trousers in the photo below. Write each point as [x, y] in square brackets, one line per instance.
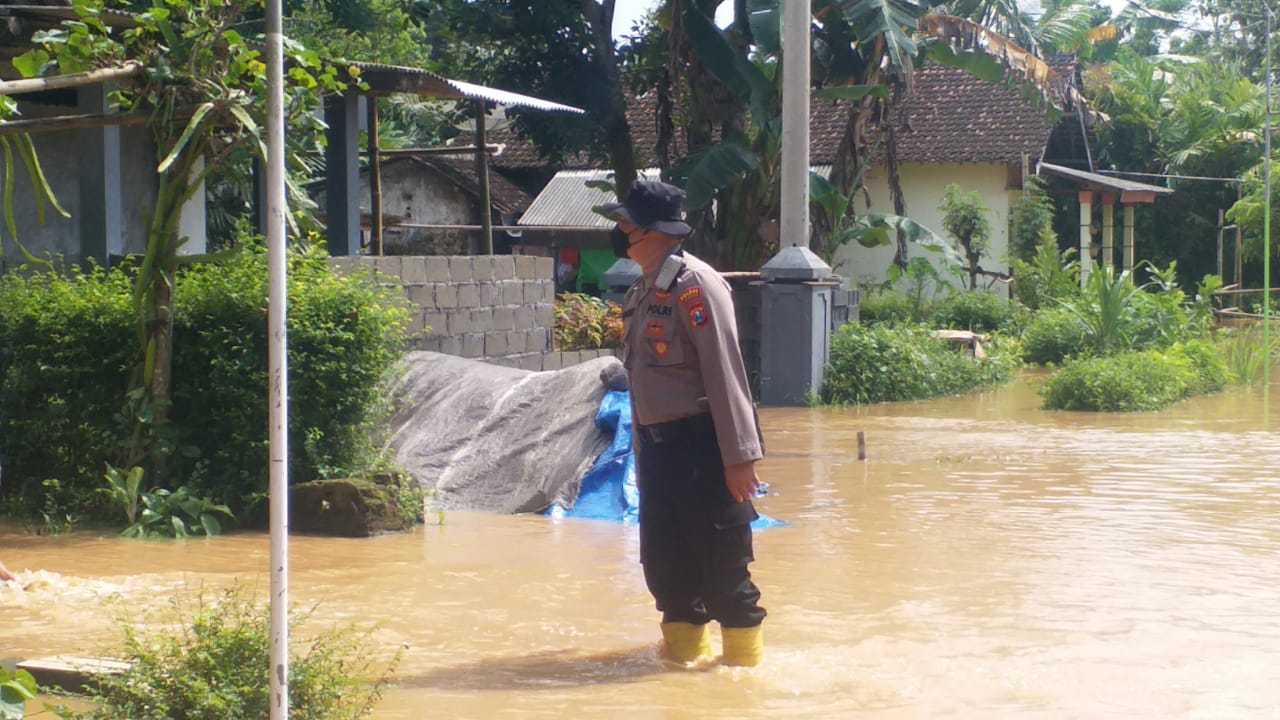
[695, 539]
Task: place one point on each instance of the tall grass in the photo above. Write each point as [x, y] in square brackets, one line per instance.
[1244, 354]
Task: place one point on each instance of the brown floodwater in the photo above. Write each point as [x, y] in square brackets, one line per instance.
[987, 560]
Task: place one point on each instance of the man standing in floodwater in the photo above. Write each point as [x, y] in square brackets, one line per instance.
[697, 435]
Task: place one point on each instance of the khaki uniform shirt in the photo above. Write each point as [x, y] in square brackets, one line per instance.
[681, 352]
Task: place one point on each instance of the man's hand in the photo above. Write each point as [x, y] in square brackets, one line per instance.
[742, 481]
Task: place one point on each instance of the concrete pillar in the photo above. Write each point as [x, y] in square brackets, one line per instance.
[1086, 240]
[1129, 221]
[1108, 229]
[101, 216]
[619, 278]
[342, 171]
[795, 320]
[193, 219]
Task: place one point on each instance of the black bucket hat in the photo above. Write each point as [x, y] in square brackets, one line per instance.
[652, 205]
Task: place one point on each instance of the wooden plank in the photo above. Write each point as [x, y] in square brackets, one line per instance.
[71, 673]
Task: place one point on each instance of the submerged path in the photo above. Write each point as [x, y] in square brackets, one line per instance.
[988, 560]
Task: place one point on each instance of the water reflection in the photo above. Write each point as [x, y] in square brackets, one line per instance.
[987, 560]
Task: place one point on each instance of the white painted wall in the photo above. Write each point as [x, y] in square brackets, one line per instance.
[924, 187]
[60, 161]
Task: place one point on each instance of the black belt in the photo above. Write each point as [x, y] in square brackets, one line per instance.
[686, 427]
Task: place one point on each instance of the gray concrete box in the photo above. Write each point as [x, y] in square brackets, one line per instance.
[796, 340]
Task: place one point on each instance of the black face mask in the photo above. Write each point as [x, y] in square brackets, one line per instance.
[620, 241]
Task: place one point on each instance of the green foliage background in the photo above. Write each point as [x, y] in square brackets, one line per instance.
[66, 351]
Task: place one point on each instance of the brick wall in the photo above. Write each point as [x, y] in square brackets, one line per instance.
[496, 308]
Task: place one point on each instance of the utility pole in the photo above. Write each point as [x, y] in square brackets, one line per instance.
[277, 366]
[1266, 212]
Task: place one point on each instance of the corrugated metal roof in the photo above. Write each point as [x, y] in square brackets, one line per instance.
[1104, 181]
[566, 201]
[394, 78]
[397, 79]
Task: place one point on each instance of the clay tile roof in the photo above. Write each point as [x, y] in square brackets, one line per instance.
[951, 117]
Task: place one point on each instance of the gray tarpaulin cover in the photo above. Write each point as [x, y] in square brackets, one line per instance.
[498, 439]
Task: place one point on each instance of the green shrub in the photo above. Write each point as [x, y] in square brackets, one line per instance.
[212, 662]
[977, 311]
[1048, 277]
[345, 334]
[878, 305]
[1136, 381]
[905, 362]
[68, 346]
[584, 322]
[1052, 336]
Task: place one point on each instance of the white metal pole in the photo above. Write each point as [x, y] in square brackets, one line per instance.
[277, 361]
[795, 125]
[1266, 215]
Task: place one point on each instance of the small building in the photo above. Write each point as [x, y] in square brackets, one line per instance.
[429, 201]
[956, 128]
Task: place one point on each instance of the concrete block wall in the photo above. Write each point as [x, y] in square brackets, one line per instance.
[496, 308]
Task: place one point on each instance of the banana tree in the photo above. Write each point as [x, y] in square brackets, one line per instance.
[872, 229]
[204, 91]
[865, 51]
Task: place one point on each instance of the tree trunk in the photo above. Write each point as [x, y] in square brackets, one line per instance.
[617, 132]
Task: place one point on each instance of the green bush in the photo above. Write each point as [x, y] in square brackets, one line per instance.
[345, 334]
[213, 659]
[1136, 381]
[1052, 336]
[978, 311]
[905, 362]
[882, 306]
[1048, 277]
[68, 347]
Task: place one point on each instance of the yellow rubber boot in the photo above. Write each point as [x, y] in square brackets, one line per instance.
[685, 642]
[743, 647]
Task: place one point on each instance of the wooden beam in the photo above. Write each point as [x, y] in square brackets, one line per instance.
[59, 123]
[449, 150]
[58, 82]
[1129, 197]
[482, 174]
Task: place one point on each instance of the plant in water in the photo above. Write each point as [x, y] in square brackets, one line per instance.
[1107, 309]
[211, 662]
[159, 512]
[16, 688]
[1244, 354]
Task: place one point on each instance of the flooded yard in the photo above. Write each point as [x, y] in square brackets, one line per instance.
[987, 560]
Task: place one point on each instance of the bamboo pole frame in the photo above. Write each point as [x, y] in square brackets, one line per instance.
[59, 82]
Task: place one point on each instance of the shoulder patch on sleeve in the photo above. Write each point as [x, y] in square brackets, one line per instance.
[698, 315]
[691, 296]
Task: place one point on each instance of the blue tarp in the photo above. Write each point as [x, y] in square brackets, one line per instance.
[609, 488]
